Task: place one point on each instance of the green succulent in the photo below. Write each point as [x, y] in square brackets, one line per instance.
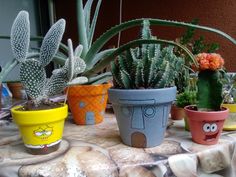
[186, 98]
[147, 66]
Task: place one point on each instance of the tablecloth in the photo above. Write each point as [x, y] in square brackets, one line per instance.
[97, 151]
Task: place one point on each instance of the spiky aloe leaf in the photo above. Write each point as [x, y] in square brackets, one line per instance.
[78, 51]
[78, 80]
[100, 78]
[127, 46]
[33, 77]
[93, 24]
[20, 36]
[99, 43]
[83, 38]
[103, 54]
[87, 15]
[51, 42]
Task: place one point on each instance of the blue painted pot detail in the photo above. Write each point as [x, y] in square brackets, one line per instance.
[142, 114]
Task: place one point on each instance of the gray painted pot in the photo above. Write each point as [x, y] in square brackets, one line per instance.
[142, 114]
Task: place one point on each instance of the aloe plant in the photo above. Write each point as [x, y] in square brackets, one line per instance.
[97, 60]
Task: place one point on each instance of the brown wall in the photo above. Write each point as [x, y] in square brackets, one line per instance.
[220, 14]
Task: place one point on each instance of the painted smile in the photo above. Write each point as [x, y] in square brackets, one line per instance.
[211, 137]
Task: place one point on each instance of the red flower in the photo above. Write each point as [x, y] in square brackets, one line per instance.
[211, 61]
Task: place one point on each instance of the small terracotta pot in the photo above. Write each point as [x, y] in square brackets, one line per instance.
[206, 126]
[16, 89]
[88, 103]
[176, 112]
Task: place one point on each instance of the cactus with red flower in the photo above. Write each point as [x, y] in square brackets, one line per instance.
[209, 82]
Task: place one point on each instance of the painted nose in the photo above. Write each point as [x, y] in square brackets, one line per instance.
[137, 120]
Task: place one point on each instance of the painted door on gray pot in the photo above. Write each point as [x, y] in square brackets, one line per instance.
[141, 124]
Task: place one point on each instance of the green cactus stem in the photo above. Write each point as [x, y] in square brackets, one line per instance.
[209, 93]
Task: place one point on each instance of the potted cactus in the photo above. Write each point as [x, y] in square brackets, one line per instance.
[207, 118]
[144, 90]
[40, 120]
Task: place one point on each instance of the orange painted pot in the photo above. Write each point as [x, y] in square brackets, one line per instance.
[88, 103]
[206, 126]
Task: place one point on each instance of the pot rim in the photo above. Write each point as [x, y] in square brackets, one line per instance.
[140, 90]
[91, 85]
[188, 108]
[39, 116]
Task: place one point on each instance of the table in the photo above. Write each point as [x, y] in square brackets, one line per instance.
[97, 151]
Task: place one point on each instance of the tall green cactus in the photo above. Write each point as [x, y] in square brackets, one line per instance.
[147, 66]
[209, 93]
[209, 83]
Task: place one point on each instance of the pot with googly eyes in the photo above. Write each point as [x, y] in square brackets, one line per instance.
[142, 114]
[206, 126]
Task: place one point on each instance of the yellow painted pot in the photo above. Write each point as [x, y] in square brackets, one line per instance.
[41, 130]
[230, 122]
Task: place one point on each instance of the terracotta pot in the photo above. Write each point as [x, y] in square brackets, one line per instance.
[88, 103]
[206, 127]
[17, 90]
[230, 122]
[177, 113]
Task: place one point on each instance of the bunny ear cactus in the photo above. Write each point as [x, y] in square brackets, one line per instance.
[20, 36]
[32, 70]
[209, 84]
[147, 66]
[75, 65]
